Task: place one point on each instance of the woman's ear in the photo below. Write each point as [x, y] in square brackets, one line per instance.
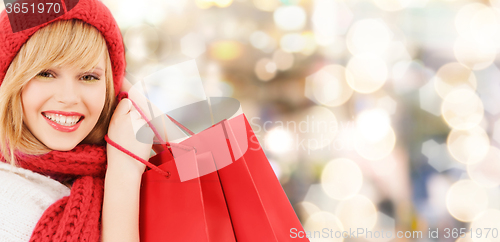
[126, 85]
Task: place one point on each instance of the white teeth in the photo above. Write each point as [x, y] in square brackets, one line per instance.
[63, 120]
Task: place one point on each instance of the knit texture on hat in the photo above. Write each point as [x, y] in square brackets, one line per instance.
[93, 12]
[76, 217]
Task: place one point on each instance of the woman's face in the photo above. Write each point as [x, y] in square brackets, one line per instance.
[61, 105]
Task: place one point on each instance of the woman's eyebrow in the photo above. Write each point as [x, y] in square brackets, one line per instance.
[95, 69]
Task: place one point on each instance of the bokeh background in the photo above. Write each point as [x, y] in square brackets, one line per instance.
[375, 114]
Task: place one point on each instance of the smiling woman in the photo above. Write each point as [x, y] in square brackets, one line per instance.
[59, 82]
[74, 81]
[64, 99]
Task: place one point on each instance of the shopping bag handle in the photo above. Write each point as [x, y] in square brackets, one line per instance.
[153, 127]
[143, 161]
[122, 95]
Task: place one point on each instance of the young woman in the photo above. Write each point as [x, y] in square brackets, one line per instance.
[59, 81]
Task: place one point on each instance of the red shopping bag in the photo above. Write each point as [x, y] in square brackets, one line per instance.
[171, 210]
[175, 210]
[221, 188]
[258, 206]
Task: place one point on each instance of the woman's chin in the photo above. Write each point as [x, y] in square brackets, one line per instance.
[62, 146]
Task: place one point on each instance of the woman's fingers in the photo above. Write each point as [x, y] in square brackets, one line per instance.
[141, 128]
[134, 114]
[124, 107]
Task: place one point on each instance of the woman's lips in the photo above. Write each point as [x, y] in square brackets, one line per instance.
[61, 127]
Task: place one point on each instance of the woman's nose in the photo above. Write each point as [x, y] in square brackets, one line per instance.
[67, 91]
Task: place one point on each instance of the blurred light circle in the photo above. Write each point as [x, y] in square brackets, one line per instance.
[330, 20]
[324, 39]
[317, 127]
[485, 26]
[266, 5]
[271, 67]
[279, 140]
[283, 60]
[223, 3]
[307, 209]
[366, 73]
[128, 13]
[193, 45]
[260, 40]
[485, 223]
[226, 50]
[468, 146]
[465, 199]
[454, 76]
[474, 55]
[392, 5]
[375, 150]
[293, 42]
[357, 212]
[336, 49]
[464, 17]
[462, 109]
[262, 69]
[321, 220]
[142, 41]
[396, 52]
[204, 4]
[368, 36]
[290, 17]
[309, 43]
[322, 18]
[341, 178]
[176, 25]
[329, 86]
[373, 124]
[486, 172]
[495, 3]
[290, 2]
[479, 23]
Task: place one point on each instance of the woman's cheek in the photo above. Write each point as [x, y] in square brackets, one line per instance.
[95, 97]
[34, 95]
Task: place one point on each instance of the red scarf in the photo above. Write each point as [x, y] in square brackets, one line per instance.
[76, 217]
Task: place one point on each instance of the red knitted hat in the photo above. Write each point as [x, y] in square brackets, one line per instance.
[17, 28]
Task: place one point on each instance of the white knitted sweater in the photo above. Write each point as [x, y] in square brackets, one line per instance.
[24, 196]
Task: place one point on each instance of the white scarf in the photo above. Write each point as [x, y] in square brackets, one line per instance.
[24, 196]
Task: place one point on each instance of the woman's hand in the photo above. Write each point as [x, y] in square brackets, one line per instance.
[142, 102]
[123, 127]
[120, 211]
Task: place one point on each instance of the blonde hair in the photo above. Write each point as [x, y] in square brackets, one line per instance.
[71, 42]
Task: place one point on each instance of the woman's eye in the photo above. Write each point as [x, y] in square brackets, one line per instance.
[90, 78]
[45, 74]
